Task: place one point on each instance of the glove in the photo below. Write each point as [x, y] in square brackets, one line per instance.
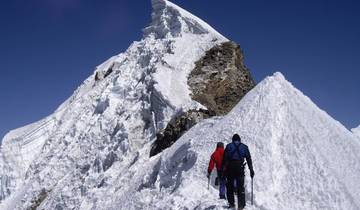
[220, 174]
[252, 173]
[208, 175]
[217, 180]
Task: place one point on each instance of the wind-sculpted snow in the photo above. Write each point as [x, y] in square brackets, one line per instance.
[25, 146]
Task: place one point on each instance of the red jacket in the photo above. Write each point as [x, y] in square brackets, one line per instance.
[216, 159]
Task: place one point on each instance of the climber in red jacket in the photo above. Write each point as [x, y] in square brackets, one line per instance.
[216, 160]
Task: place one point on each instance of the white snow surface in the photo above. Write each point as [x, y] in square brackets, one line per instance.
[356, 131]
[93, 152]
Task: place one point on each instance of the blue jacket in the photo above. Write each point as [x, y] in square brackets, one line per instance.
[237, 151]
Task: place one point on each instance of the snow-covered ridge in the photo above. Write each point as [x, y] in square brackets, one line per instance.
[292, 141]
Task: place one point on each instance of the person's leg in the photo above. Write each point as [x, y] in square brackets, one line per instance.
[235, 187]
[241, 192]
[230, 190]
[222, 185]
[222, 188]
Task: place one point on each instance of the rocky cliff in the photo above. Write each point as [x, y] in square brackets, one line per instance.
[219, 80]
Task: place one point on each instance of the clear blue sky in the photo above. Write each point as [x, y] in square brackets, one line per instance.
[48, 47]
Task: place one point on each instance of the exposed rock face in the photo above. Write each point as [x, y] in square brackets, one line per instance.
[39, 199]
[176, 128]
[99, 75]
[220, 79]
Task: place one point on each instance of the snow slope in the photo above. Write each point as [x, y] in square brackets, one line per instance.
[25, 146]
[356, 131]
[94, 153]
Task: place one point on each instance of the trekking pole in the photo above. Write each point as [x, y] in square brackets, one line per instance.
[252, 191]
[208, 182]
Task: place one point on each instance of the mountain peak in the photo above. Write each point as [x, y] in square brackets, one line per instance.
[278, 94]
[169, 19]
[276, 81]
[96, 145]
[279, 76]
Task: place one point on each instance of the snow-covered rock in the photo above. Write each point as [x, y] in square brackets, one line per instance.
[356, 131]
[93, 152]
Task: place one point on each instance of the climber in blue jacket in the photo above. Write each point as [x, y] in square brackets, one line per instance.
[233, 169]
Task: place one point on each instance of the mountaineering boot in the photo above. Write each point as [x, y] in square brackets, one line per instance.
[231, 206]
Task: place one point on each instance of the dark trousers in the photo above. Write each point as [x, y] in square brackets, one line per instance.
[230, 189]
[222, 183]
[235, 174]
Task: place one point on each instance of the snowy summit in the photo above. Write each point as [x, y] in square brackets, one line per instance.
[93, 152]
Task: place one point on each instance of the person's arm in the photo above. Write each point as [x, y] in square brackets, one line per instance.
[211, 164]
[249, 162]
[224, 160]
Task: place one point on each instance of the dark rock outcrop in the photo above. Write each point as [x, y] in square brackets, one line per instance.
[99, 75]
[176, 128]
[36, 202]
[220, 79]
